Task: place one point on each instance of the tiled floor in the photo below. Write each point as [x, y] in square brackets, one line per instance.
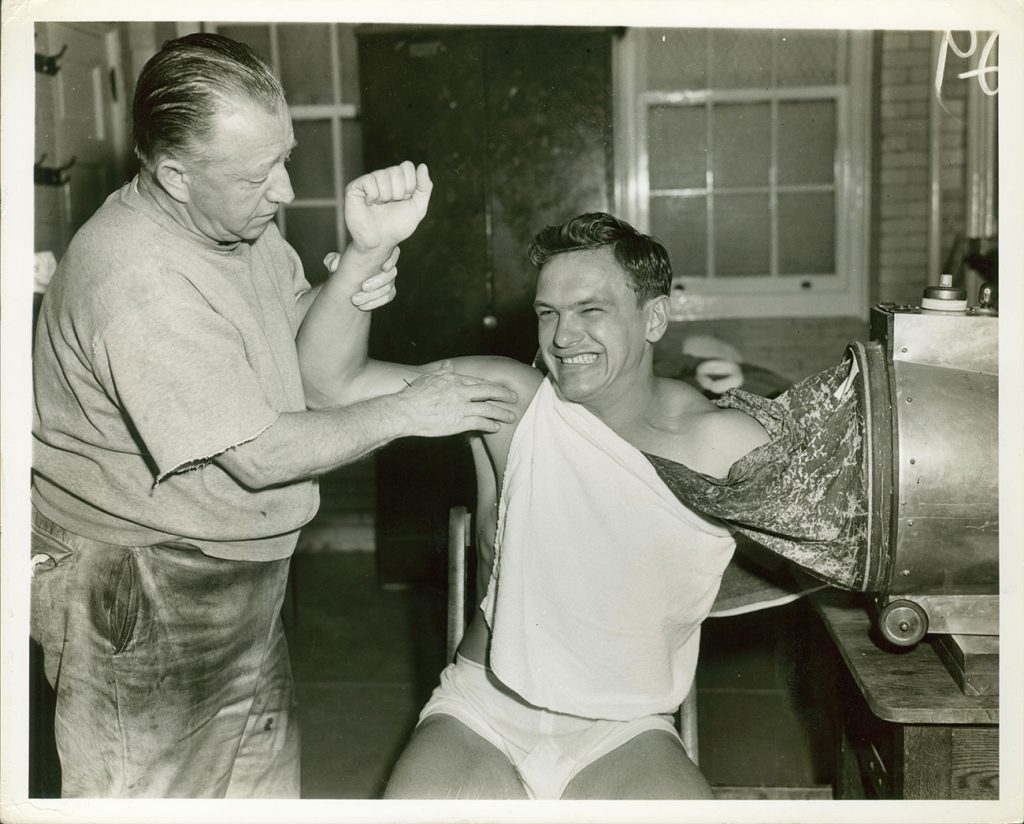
[366, 658]
[765, 689]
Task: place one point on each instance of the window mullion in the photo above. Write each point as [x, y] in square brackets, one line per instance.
[842, 59]
[773, 171]
[275, 49]
[709, 177]
[337, 148]
[643, 168]
[773, 193]
[842, 197]
[275, 61]
[709, 183]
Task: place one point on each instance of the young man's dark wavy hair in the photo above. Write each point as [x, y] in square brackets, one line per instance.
[185, 84]
[644, 259]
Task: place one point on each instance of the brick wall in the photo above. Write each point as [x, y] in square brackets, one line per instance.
[902, 173]
[953, 161]
[902, 176]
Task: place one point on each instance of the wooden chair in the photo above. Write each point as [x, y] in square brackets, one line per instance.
[460, 544]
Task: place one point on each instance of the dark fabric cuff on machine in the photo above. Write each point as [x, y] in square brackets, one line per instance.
[802, 495]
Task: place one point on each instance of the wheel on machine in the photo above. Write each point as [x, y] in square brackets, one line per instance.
[903, 623]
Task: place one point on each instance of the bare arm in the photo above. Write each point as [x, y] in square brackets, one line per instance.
[305, 444]
[385, 207]
[332, 341]
[476, 377]
[382, 209]
[391, 402]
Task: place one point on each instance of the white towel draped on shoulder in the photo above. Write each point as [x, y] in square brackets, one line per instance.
[601, 576]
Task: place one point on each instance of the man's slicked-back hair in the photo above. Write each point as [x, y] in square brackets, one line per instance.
[644, 260]
[184, 85]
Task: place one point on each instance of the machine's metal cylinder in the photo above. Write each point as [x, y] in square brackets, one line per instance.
[929, 384]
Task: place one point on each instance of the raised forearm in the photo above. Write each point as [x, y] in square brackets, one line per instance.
[333, 338]
[382, 208]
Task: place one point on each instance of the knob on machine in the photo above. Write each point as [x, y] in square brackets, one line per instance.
[944, 297]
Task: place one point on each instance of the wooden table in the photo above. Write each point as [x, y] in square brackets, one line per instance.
[907, 731]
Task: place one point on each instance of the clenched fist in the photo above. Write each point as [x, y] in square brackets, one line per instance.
[384, 207]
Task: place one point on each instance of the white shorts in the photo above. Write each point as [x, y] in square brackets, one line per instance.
[547, 749]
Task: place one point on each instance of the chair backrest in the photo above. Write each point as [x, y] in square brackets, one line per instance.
[460, 542]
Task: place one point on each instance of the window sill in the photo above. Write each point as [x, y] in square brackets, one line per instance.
[688, 306]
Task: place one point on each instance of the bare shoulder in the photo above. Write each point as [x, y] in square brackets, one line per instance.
[735, 427]
[521, 378]
[729, 434]
[709, 439]
[518, 376]
[678, 398]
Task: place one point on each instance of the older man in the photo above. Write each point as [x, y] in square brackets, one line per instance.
[597, 577]
[174, 454]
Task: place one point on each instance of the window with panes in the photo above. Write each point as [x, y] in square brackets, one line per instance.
[748, 161]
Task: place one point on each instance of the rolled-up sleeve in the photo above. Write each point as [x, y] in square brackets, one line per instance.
[180, 373]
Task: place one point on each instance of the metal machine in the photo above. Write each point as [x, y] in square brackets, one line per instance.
[929, 393]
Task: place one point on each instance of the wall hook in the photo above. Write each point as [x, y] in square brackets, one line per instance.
[50, 63]
[51, 175]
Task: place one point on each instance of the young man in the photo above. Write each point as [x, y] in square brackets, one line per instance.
[596, 577]
[174, 455]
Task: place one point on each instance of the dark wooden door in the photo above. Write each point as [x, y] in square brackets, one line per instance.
[515, 125]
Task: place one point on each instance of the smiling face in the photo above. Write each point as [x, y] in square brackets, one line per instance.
[594, 338]
[239, 181]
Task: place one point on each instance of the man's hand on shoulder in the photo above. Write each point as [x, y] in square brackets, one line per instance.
[522, 378]
[443, 402]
